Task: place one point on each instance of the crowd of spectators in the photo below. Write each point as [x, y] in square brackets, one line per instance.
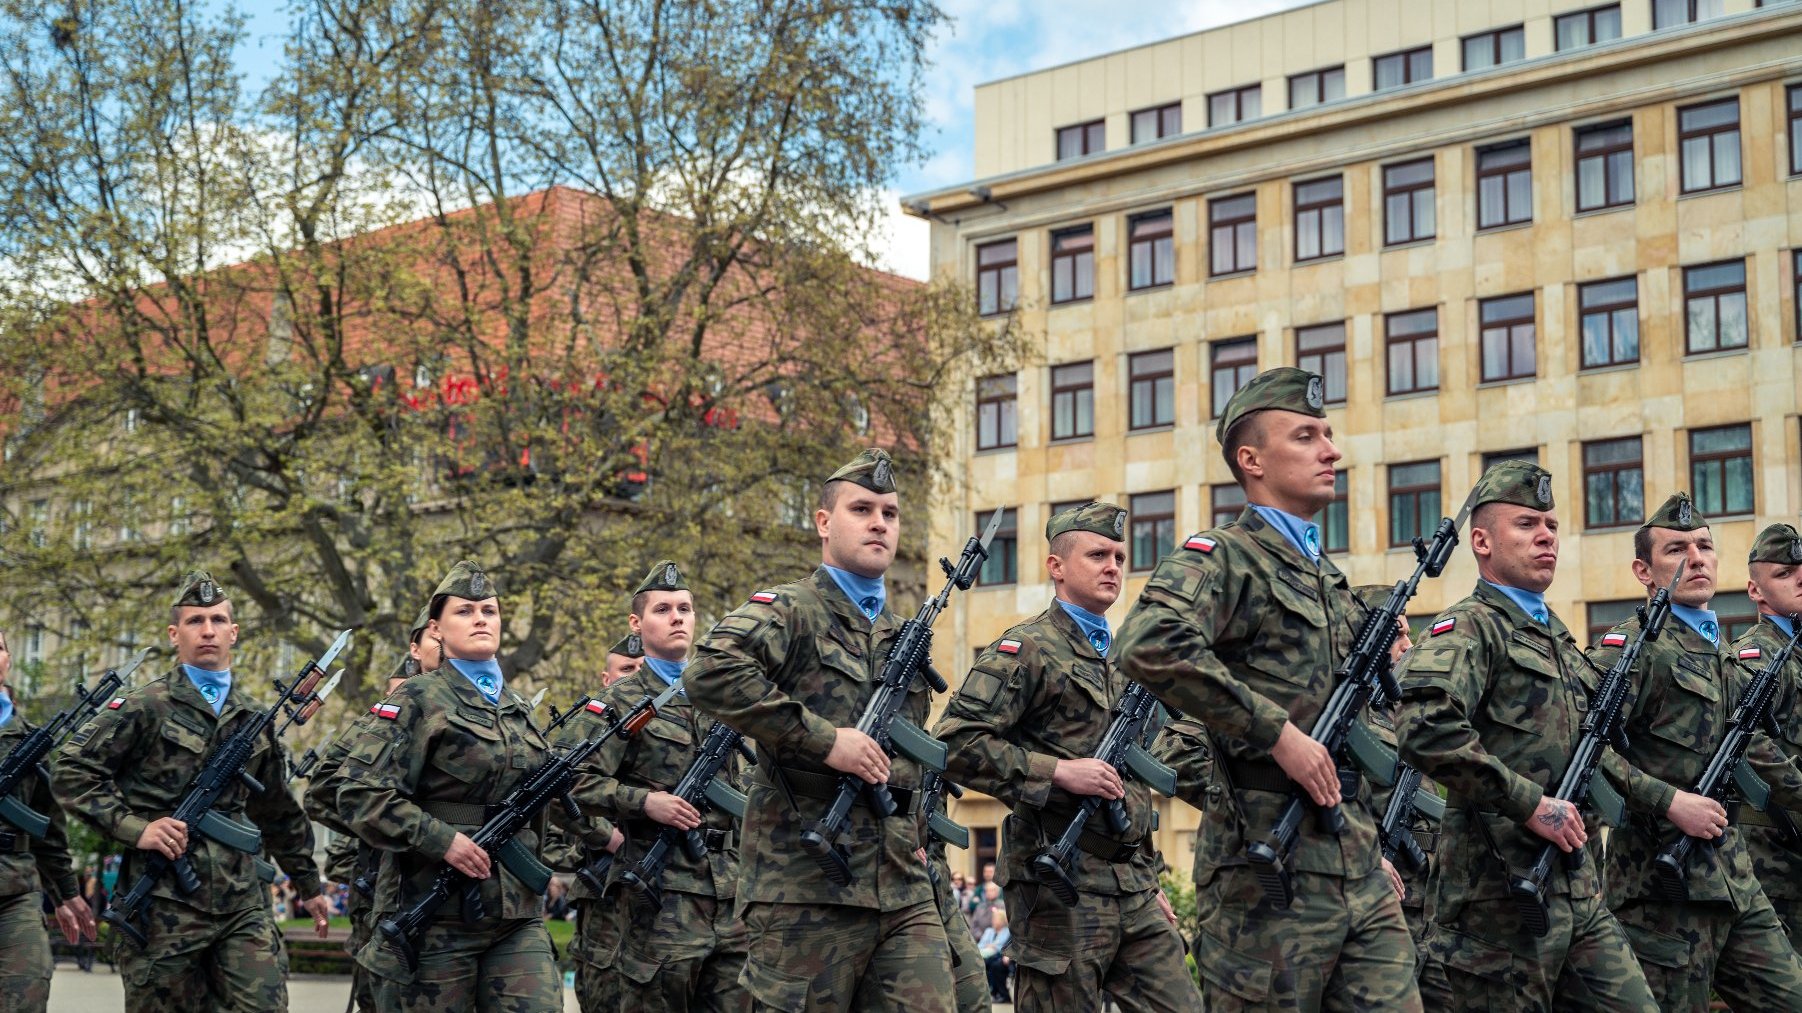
[985, 913]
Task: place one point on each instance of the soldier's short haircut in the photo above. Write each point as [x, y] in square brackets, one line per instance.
[829, 495]
[175, 610]
[1642, 545]
[1247, 432]
[1060, 546]
[638, 603]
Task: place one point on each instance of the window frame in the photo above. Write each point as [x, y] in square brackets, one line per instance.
[1161, 115]
[1326, 353]
[1595, 629]
[1484, 326]
[1613, 470]
[1605, 153]
[1407, 58]
[1319, 209]
[983, 400]
[1166, 378]
[1324, 519]
[1092, 131]
[1714, 295]
[1318, 79]
[1792, 97]
[1494, 37]
[1153, 239]
[1074, 390]
[999, 270]
[1159, 522]
[1238, 94]
[1411, 191]
[1607, 310]
[1424, 526]
[1005, 547]
[1505, 173]
[1231, 510]
[1589, 23]
[1392, 341]
[1710, 134]
[1692, 9]
[1217, 404]
[1078, 255]
[1217, 223]
[1795, 284]
[1720, 459]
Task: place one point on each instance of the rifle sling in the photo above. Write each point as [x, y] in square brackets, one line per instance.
[1741, 814]
[824, 787]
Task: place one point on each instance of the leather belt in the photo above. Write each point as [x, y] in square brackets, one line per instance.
[647, 830]
[463, 814]
[807, 784]
[1050, 823]
[1258, 775]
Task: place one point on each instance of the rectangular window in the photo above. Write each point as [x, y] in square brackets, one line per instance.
[1394, 70]
[1073, 264]
[1225, 502]
[1316, 86]
[37, 522]
[1002, 566]
[1796, 284]
[1151, 250]
[1709, 139]
[1321, 349]
[1614, 483]
[1606, 615]
[1081, 139]
[1413, 501]
[1604, 166]
[1505, 185]
[1235, 105]
[1233, 234]
[1152, 388]
[1610, 322]
[1235, 362]
[1319, 219]
[997, 407]
[1335, 520]
[1413, 351]
[1715, 300]
[1670, 13]
[33, 653]
[1408, 202]
[1736, 614]
[1495, 457]
[997, 277]
[1153, 528]
[1509, 337]
[1492, 49]
[1795, 129]
[1160, 121]
[1587, 28]
[1720, 470]
[1073, 400]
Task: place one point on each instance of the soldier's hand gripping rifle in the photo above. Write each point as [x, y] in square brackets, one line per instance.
[28, 756]
[1603, 726]
[934, 786]
[1728, 770]
[297, 700]
[1396, 833]
[1365, 673]
[499, 837]
[702, 788]
[1119, 749]
[910, 656]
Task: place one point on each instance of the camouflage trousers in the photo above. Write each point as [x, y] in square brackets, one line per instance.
[1688, 950]
[970, 980]
[824, 958]
[24, 954]
[1067, 956]
[593, 950]
[194, 960]
[492, 966]
[1477, 957]
[1340, 945]
[362, 985]
[1789, 915]
[686, 954]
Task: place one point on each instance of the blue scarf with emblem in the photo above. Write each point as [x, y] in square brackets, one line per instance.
[1530, 602]
[485, 676]
[1094, 627]
[1298, 531]
[214, 686]
[1703, 621]
[867, 593]
[668, 671]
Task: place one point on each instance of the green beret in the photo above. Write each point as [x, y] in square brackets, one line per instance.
[664, 576]
[419, 624]
[1521, 483]
[198, 588]
[1104, 519]
[1285, 387]
[1778, 543]
[1678, 513]
[873, 469]
[629, 646]
[465, 580]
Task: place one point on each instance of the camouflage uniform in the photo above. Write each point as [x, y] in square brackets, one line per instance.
[424, 769]
[30, 870]
[1776, 858]
[970, 981]
[787, 669]
[1492, 701]
[1726, 937]
[1239, 630]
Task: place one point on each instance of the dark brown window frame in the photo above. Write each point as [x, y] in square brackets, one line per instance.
[1239, 95]
[1167, 117]
[983, 400]
[1139, 517]
[1608, 309]
[1714, 295]
[1218, 515]
[1149, 379]
[1410, 190]
[1719, 460]
[1004, 550]
[1606, 153]
[1795, 283]
[1319, 210]
[1613, 469]
[1407, 57]
[1393, 341]
[1318, 79]
[1693, 15]
[1325, 354]
[1151, 239]
[999, 269]
[1589, 22]
[1494, 37]
[1074, 390]
[1423, 523]
[1342, 500]
[1685, 135]
[1505, 172]
[1508, 324]
[1081, 244]
[1215, 366]
[1094, 139]
[1218, 223]
[1793, 97]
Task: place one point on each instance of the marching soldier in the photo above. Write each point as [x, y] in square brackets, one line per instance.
[128, 768]
[624, 659]
[1382, 722]
[1024, 727]
[792, 669]
[1775, 587]
[32, 869]
[687, 952]
[1726, 938]
[1492, 700]
[1243, 628]
[416, 782]
[970, 980]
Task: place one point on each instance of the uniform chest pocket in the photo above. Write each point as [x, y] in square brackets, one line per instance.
[673, 733]
[1523, 698]
[474, 724]
[183, 738]
[1301, 603]
[1691, 716]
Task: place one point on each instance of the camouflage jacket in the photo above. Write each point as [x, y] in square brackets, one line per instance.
[435, 755]
[321, 808]
[1682, 693]
[342, 857]
[1183, 746]
[1038, 695]
[623, 773]
[30, 864]
[1776, 860]
[787, 669]
[1240, 632]
[1492, 704]
[134, 762]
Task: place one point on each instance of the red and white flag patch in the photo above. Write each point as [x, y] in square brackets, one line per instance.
[1614, 640]
[1008, 646]
[764, 597]
[1199, 543]
[1444, 626]
[117, 702]
[596, 707]
[1750, 654]
[386, 710]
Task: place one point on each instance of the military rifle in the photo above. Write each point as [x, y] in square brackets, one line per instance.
[1363, 675]
[702, 788]
[1133, 715]
[28, 756]
[1603, 726]
[1396, 832]
[910, 656]
[298, 699]
[1728, 769]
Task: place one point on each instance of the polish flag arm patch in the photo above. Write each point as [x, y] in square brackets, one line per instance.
[1200, 543]
[764, 597]
[1444, 626]
[386, 710]
[1008, 646]
[1614, 640]
[117, 702]
[596, 707]
[1750, 654]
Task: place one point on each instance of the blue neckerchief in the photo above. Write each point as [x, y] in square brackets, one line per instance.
[863, 591]
[1700, 620]
[1093, 627]
[668, 671]
[214, 686]
[1530, 602]
[1782, 623]
[6, 708]
[1301, 532]
[485, 676]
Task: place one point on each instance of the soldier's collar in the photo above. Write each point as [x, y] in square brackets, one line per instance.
[842, 606]
[1066, 624]
[1279, 545]
[1782, 623]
